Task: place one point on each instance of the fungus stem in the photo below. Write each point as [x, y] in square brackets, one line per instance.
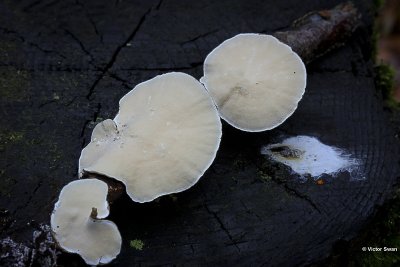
[93, 214]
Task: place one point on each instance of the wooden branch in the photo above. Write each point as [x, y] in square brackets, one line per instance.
[318, 32]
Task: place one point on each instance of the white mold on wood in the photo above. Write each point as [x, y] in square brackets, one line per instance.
[306, 155]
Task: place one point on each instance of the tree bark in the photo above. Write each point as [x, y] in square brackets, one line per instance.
[319, 32]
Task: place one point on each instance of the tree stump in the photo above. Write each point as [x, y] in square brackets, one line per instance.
[64, 65]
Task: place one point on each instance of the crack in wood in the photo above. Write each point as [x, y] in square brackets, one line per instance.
[47, 103]
[117, 2]
[294, 192]
[77, 2]
[87, 122]
[116, 52]
[124, 82]
[81, 45]
[221, 224]
[31, 5]
[34, 4]
[159, 5]
[51, 3]
[36, 188]
[24, 40]
[248, 211]
[199, 37]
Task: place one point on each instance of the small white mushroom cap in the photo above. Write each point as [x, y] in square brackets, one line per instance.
[76, 231]
[255, 80]
[163, 139]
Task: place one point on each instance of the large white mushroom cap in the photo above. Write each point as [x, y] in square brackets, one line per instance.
[255, 80]
[76, 231]
[165, 136]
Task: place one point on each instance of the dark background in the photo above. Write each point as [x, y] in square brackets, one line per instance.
[64, 65]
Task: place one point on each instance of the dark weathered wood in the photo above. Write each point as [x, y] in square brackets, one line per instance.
[65, 64]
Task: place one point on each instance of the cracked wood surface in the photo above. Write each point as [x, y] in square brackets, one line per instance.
[64, 65]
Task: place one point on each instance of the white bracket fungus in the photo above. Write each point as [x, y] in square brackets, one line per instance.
[76, 223]
[255, 80]
[163, 139]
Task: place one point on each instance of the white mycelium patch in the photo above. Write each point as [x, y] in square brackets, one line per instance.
[308, 156]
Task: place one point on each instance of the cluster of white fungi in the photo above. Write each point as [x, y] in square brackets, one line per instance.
[167, 133]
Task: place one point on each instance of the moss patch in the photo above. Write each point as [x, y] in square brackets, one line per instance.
[239, 163]
[384, 73]
[384, 81]
[13, 83]
[10, 137]
[382, 231]
[136, 244]
[264, 176]
[271, 170]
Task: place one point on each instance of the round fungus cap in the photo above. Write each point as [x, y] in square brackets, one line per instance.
[255, 80]
[76, 223]
[163, 139]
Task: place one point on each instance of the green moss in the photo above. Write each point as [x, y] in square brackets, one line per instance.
[13, 83]
[380, 258]
[99, 119]
[382, 231]
[136, 244]
[384, 81]
[55, 154]
[265, 177]
[10, 137]
[239, 163]
[270, 170]
[378, 4]
[92, 124]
